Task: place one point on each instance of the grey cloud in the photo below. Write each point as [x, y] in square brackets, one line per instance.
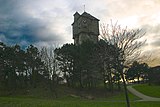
[19, 26]
[39, 21]
[156, 43]
[152, 45]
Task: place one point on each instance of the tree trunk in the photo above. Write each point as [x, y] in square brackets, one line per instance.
[119, 87]
[138, 79]
[125, 90]
[104, 82]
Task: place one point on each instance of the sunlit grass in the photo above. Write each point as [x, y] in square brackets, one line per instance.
[150, 90]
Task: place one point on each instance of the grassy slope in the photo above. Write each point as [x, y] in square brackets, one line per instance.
[32, 102]
[150, 90]
[116, 100]
[68, 101]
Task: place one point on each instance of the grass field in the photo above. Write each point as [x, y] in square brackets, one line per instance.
[32, 102]
[39, 100]
[68, 101]
[150, 90]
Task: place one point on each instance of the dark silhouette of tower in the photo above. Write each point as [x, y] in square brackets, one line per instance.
[85, 27]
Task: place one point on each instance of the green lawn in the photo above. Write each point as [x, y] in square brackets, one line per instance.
[31, 102]
[150, 90]
[115, 100]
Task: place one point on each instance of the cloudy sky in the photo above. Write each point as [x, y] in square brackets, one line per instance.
[48, 22]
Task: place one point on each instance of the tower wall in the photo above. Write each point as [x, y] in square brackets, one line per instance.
[85, 27]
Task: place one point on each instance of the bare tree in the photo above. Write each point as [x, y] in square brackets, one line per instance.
[128, 43]
[52, 74]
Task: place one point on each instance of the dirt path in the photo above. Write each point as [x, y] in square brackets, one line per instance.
[142, 96]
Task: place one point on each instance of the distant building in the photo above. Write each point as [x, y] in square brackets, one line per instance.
[85, 27]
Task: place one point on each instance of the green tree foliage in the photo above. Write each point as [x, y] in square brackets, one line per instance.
[10, 67]
[20, 68]
[154, 75]
[34, 65]
[2, 63]
[90, 75]
[137, 71]
[108, 56]
[88, 65]
[65, 56]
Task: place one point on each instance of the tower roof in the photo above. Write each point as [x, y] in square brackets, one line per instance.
[85, 14]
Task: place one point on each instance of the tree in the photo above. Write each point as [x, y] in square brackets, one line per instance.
[34, 65]
[2, 63]
[107, 55]
[19, 65]
[137, 70]
[79, 64]
[24, 68]
[48, 57]
[88, 58]
[50, 64]
[128, 44]
[65, 56]
[10, 68]
[142, 72]
[154, 75]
